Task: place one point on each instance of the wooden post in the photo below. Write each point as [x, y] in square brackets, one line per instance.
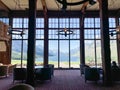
[31, 42]
[46, 44]
[105, 42]
[82, 43]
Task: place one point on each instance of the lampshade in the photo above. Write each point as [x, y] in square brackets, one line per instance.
[118, 32]
[118, 29]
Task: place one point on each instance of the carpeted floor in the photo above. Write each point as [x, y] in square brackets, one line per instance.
[63, 80]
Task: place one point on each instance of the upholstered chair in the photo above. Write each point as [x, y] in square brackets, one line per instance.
[43, 74]
[82, 68]
[115, 74]
[52, 68]
[19, 74]
[3, 71]
[92, 74]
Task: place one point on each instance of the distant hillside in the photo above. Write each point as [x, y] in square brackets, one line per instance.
[53, 55]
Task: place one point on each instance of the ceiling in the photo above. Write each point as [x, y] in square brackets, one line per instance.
[53, 5]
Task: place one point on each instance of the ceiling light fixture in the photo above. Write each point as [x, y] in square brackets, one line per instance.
[16, 32]
[65, 3]
[65, 32]
[115, 32]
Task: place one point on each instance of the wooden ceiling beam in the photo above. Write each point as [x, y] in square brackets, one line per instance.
[3, 7]
[44, 6]
[83, 9]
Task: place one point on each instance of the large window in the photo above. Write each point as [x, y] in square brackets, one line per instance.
[64, 51]
[92, 42]
[19, 42]
[113, 42]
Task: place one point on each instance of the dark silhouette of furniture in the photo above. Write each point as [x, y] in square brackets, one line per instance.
[52, 68]
[92, 74]
[82, 68]
[22, 87]
[19, 74]
[3, 71]
[115, 74]
[11, 68]
[43, 73]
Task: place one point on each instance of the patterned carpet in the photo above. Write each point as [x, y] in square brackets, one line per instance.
[63, 80]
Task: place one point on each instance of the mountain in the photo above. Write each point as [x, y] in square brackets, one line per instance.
[53, 55]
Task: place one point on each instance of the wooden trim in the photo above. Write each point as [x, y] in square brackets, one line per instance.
[4, 7]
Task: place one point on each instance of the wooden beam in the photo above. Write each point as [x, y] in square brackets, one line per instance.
[31, 43]
[83, 9]
[44, 6]
[105, 42]
[3, 6]
[45, 32]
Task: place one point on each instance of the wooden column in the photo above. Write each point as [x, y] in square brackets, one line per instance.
[10, 23]
[105, 41]
[118, 49]
[31, 42]
[46, 44]
[118, 42]
[82, 43]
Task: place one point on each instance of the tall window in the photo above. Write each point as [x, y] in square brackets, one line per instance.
[64, 51]
[113, 42]
[20, 42]
[92, 42]
[39, 41]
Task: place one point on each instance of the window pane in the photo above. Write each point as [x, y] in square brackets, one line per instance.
[98, 53]
[39, 23]
[39, 52]
[112, 23]
[64, 53]
[53, 52]
[16, 52]
[89, 23]
[90, 52]
[17, 22]
[75, 53]
[113, 48]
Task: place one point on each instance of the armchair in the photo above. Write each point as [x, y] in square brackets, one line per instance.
[115, 74]
[3, 70]
[52, 68]
[43, 73]
[82, 68]
[19, 74]
[92, 74]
